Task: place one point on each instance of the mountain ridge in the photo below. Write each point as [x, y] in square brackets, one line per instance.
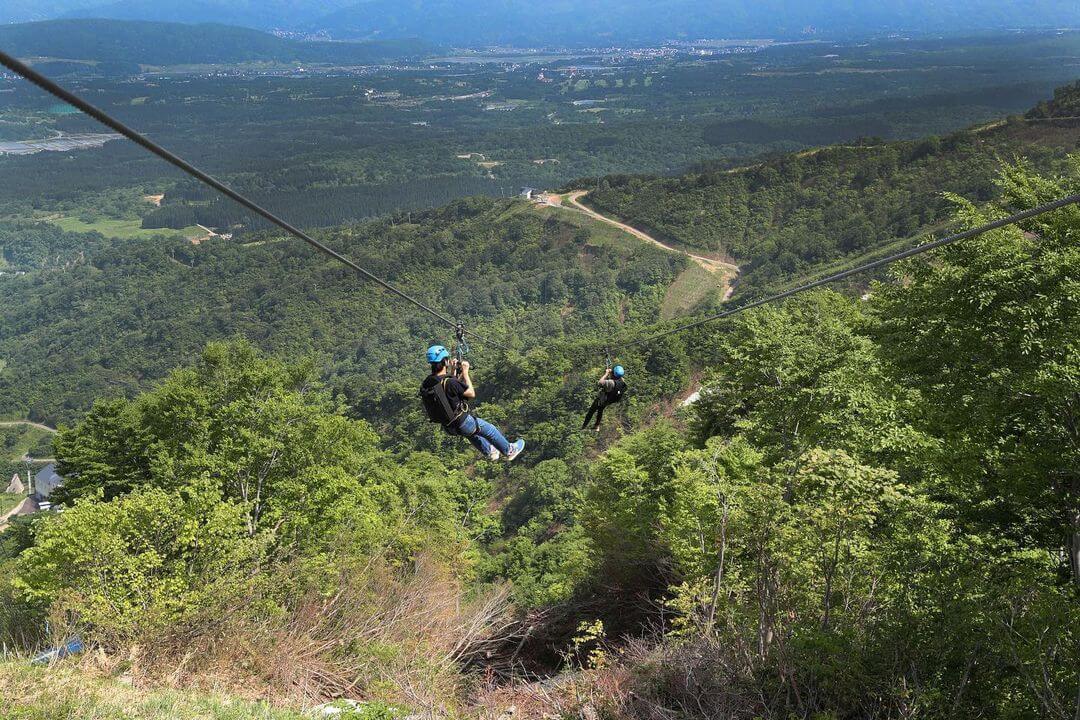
[165, 43]
[564, 22]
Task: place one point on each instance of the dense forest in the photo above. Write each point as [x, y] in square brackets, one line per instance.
[120, 313]
[97, 313]
[329, 145]
[870, 512]
[791, 214]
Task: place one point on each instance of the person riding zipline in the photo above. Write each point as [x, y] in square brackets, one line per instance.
[612, 389]
[444, 394]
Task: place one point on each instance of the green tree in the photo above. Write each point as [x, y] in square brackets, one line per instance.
[272, 441]
[803, 375]
[989, 331]
[140, 564]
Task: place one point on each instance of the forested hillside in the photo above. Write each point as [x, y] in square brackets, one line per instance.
[334, 144]
[869, 512]
[857, 503]
[99, 316]
[96, 313]
[791, 214]
[156, 43]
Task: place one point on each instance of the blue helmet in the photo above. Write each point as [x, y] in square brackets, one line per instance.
[618, 371]
[437, 353]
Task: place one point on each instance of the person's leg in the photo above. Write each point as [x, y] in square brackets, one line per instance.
[469, 429]
[491, 434]
[599, 417]
[589, 415]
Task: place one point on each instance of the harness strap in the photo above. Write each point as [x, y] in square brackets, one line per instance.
[448, 410]
[440, 393]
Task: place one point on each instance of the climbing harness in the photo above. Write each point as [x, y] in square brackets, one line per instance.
[461, 351]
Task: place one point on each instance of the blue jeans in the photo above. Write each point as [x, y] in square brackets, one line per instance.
[481, 434]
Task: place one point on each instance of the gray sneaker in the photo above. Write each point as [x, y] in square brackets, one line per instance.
[515, 449]
[494, 455]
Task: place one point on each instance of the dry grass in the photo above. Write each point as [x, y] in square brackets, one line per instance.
[587, 694]
[399, 636]
[644, 679]
[60, 693]
[691, 288]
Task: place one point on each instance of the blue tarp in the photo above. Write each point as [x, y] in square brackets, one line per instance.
[71, 647]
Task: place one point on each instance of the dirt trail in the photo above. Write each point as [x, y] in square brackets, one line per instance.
[26, 507]
[572, 201]
[39, 426]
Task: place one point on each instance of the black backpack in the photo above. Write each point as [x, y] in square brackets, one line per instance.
[438, 405]
[610, 397]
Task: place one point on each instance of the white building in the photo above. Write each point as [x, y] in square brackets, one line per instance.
[46, 481]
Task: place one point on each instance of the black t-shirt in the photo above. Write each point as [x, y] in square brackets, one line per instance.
[455, 389]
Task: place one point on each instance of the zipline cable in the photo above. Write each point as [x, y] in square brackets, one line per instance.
[104, 118]
[888, 260]
[56, 90]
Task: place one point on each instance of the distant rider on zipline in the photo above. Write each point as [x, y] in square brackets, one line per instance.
[444, 394]
[612, 388]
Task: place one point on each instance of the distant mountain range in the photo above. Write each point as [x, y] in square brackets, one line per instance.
[157, 43]
[480, 22]
[616, 21]
[259, 14]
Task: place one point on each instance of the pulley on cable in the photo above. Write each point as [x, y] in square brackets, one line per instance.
[461, 345]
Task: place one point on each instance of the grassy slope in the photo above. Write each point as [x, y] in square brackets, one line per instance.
[8, 501]
[690, 289]
[693, 286]
[30, 437]
[600, 234]
[124, 229]
[61, 692]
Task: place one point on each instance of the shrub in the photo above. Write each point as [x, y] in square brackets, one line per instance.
[148, 563]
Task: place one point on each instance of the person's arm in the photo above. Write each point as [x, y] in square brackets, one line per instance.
[470, 391]
[602, 382]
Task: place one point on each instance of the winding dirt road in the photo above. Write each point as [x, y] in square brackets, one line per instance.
[572, 201]
[27, 423]
[27, 507]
